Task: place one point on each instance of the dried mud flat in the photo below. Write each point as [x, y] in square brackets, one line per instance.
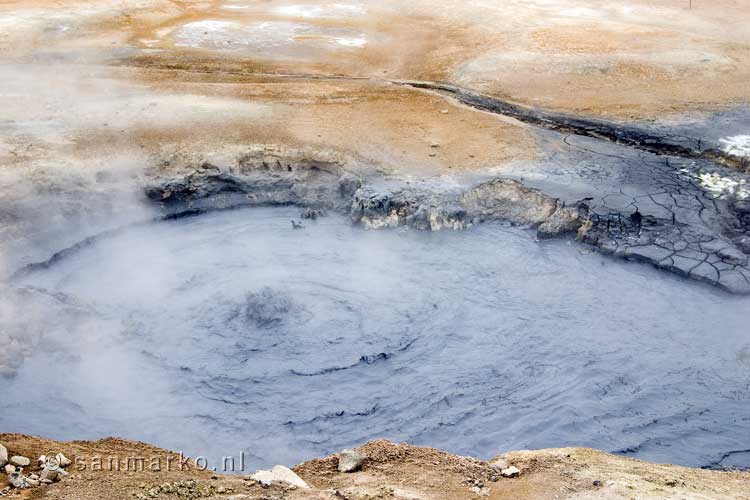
[390, 471]
[638, 105]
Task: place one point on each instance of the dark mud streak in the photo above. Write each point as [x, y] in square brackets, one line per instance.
[625, 135]
[63, 254]
[718, 464]
[334, 416]
[369, 359]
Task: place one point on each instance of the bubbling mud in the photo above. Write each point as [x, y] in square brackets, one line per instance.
[234, 332]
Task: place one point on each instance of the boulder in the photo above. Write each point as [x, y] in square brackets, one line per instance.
[3, 455]
[9, 468]
[351, 461]
[279, 474]
[20, 461]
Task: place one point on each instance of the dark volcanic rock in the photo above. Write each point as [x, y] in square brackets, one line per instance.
[375, 209]
[509, 200]
[637, 137]
[495, 200]
[258, 179]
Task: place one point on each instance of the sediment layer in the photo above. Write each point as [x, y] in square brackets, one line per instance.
[115, 469]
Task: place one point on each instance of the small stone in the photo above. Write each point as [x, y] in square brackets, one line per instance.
[17, 480]
[62, 460]
[743, 243]
[443, 111]
[479, 491]
[48, 475]
[19, 461]
[500, 464]
[742, 206]
[311, 214]
[52, 473]
[3, 455]
[511, 472]
[32, 482]
[279, 474]
[351, 461]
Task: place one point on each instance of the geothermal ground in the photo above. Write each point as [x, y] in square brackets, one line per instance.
[390, 472]
[288, 228]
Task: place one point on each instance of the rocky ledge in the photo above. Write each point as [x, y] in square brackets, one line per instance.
[701, 237]
[376, 470]
[317, 185]
[498, 199]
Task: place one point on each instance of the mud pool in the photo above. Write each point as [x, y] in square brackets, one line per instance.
[231, 332]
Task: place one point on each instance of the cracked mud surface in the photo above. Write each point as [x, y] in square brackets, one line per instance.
[694, 217]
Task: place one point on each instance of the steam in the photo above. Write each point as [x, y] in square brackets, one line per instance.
[55, 188]
[738, 145]
[232, 332]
